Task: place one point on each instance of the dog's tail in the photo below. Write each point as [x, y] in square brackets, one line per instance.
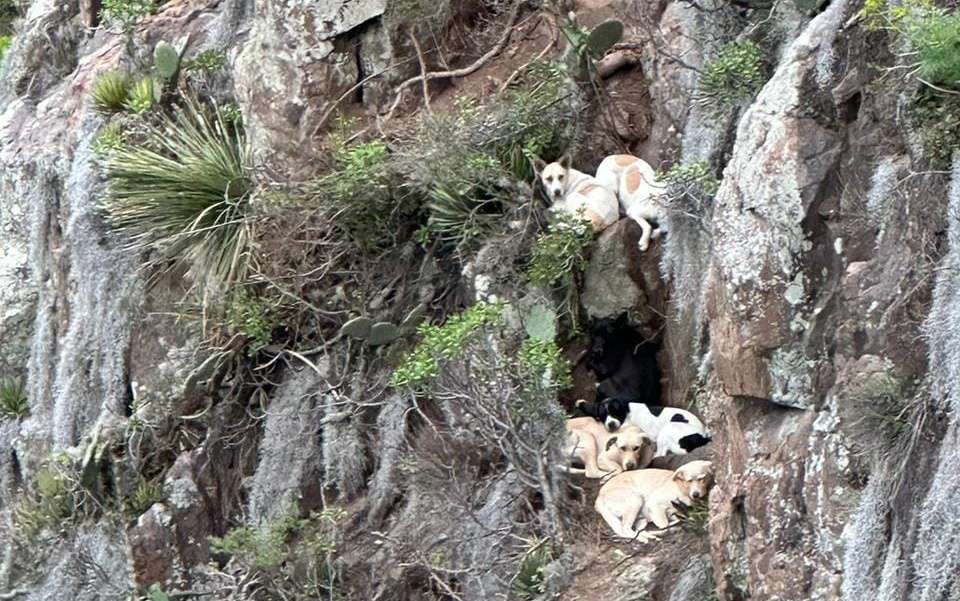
[693, 441]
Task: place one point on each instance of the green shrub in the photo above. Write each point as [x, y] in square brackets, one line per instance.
[185, 193]
[560, 251]
[5, 41]
[883, 403]
[736, 74]
[143, 95]
[125, 13]
[231, 114]
[696, 517]
[13, 399]
[108, 140]
[143, 496]
[931, 32]
[697, 174]
[358, 189]
[936, 118]
[528, 582]
[262, 548]
[207, 61]
[544, 365]
[253, 317]
[47, 506]
[442, 343]
[288, 554]
[111, 90]
[689, 191]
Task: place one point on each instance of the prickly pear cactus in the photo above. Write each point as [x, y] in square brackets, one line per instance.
[540, 323]
[603, 37]
[166, 60]
[358, 327]
[383, 332]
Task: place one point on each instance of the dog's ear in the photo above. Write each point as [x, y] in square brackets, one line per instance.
[538, 165]
[611, 442]
[565, 160]
[678, 476]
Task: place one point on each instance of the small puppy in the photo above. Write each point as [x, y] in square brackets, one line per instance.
[675, 430]
[651, 495]
[604, 453]
[635, 184]
[573, 191]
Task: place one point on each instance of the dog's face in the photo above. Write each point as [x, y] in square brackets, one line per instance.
[554, 177]
[633, 449]
[613, 412]
[695, 478]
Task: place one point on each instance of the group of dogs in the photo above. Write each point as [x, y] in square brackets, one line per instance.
[619, 438]
[617, 441]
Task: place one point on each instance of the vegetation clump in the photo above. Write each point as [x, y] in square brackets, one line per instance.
[252, 316]
[560, 252]
[931, 32]
[5, 41]
[291, 556]
[111, 91]
[125, 13]
[529, 581]
[13, 399]
[207, 61]
[143, 95]
[48, 505]
[937, 119]
[443, 343]
[735, 75]
[108, 140]
[184, 193]
[544, 365]
[690, 190]
[358, 190]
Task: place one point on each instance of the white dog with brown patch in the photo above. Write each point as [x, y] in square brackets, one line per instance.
[652, 496]
[635, 184]
[574, 192]
[605, 453]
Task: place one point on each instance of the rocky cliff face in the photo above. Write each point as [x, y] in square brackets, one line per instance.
[808, 314]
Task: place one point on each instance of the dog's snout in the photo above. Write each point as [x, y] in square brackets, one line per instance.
[631, 465]
[696, 494]
[612, 425]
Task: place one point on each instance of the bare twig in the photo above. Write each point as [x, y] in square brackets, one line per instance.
[463, 72]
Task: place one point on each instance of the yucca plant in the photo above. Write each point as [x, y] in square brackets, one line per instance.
[185, 192]
[13, 399]
[143, 95]
[111, 90]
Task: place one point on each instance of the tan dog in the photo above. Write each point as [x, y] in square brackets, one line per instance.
[651, 494]
[575, 192]
[606, 453]
[635, 183]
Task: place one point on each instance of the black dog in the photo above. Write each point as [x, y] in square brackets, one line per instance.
[624, 362]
